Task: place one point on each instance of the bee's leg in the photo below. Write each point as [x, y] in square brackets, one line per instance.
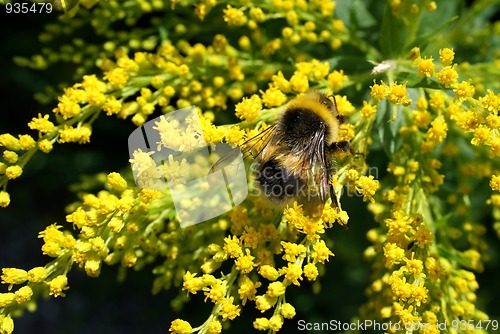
[329, 150]
[336, 206]
[342, 146]
[335, 201]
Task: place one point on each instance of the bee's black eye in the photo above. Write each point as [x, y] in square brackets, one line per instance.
[340, 118]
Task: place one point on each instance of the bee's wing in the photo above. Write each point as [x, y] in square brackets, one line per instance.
[316, 168]
[225, 160]
[258, 143]
[250, 148]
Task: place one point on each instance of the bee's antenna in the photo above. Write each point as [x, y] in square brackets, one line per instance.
[334, 101]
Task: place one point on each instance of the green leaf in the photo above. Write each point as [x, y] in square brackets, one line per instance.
[423, 41]
[355, 13]
[391, 34]
[387, 129]
[413, 80]
[361, 15]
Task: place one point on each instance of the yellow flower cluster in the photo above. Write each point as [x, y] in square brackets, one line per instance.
[395, 93]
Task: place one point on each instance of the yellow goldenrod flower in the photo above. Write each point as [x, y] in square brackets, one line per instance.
[7, 325]
[426, 66]
[180, 326]
[10, 156]
[437, 132]
[311, 272]
[215, 292]
[251, 237]
[265, 302]
[27, 142]
[367, 186]
[368, 111]
[58, 285]
[347, 132]
[37, 274]
[117, 182]
[228, 309]
[320, 70]
[397, 94]
[336, 43]
[494, 200]
[67, 108]
[23, 294]
[299, 82]
[6, 299]
[406, 316]
[423, 236]
[482, 135]
[448, 76]
[232, 246]
[214, 327]
[493, 122]
[414, 53]
[273, 97]
[321, 252]
[338, 26]
[281, 83]
[234, 16]
[336, 80]
[393, 254]
[244, 263]
[4, 199]
[293, 272]
[446, 56]
[10, 142]
[45, 145]
[249, 108]
[287, 310]
[379, 91]
[464, 90]
[13, 172]
[344, 106]
[490, 102]
[329, 215]
[261, 324]
[292, 251]
[42, 124]
[117, 77]
[276, 289]
[413, 267]
[495, 182]
[247, 289]
[276, 322]
[431, 6]
[13, 276]
[269, 272]
[124, 62]
[306, 67]
[112, 106]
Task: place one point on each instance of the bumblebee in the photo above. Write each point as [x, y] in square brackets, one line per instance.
[294, 158]
[296, 155]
